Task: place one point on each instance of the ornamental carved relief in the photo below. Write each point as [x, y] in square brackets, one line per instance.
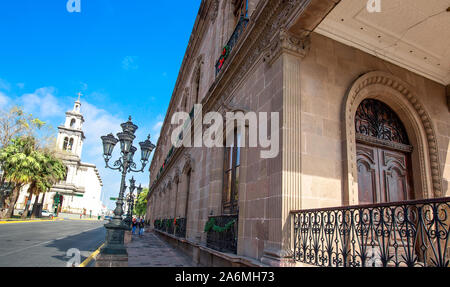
[176, 177]
[188, 164]
[169, 183]
[214, 10]
[375, 119]
[286, 42]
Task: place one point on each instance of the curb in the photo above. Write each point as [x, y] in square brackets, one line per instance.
[91, 257]
[30, 221]
[88, 219]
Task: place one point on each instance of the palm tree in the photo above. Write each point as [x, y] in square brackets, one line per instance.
[18, 164]
[53, 170]
[39, 171]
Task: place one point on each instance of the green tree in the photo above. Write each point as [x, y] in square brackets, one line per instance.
[18, 163]
[16, 123]
[51, 170]
[141, 203]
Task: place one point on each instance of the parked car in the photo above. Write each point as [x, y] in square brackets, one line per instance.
[28, 214]
[46, 213]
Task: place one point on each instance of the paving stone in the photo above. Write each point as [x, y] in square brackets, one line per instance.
[150, 251]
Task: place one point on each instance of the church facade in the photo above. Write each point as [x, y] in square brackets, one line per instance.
[80, 193]
[364, 105]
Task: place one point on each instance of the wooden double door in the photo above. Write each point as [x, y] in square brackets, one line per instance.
[383, 174]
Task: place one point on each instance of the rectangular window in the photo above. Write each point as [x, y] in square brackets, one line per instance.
[240, 8]
[232, 162]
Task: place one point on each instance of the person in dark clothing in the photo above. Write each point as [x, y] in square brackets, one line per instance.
[134, 225]
[141, 227]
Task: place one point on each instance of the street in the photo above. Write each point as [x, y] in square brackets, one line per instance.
[45, 244]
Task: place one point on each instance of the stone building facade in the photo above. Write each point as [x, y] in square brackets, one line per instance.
[316, 64]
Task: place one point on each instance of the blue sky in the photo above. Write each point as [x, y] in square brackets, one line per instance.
[123, 56]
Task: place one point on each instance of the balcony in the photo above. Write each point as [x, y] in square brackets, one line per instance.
[404, 234]
[222, 233]
[240, 27]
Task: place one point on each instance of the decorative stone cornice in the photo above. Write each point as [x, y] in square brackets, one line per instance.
[200, 27]
[286, 42]
[269, 20]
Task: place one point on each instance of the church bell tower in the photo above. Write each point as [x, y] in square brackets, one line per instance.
[70, 135]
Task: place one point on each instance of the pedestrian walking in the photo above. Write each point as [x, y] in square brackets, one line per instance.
[141, 227]
[134, 225]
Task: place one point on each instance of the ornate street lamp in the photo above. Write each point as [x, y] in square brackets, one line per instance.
[130, 201]
[125, 164]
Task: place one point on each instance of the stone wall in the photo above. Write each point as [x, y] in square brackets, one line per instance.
[327, 74]
[308, 82]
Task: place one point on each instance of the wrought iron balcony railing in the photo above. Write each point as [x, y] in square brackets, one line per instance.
[180, 228]
[170, 226]
[159, 224]
[404, 234]
[240, 27]
[222, 233]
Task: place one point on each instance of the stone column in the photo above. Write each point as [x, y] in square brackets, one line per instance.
[286, 51]
[215, 164]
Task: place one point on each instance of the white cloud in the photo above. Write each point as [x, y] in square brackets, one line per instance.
[4, 100]
[129, 63]
[98, 122]
[43, 102]
[157, 126]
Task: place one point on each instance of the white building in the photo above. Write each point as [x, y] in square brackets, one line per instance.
[80, 193]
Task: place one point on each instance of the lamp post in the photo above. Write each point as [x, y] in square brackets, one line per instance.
[130, 198]
[116, 227]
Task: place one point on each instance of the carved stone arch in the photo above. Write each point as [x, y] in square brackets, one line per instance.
[402, 99]
[188, 164]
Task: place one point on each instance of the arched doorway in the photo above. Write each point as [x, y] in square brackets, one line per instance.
[401, 98]
[383, 153]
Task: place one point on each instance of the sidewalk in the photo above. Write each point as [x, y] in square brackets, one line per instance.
[150, 251]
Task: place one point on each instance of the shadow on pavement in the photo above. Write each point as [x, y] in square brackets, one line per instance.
[86, 242]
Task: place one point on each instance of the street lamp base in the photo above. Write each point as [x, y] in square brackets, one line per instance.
[105, 260]
[115, 239]
[114, 254]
